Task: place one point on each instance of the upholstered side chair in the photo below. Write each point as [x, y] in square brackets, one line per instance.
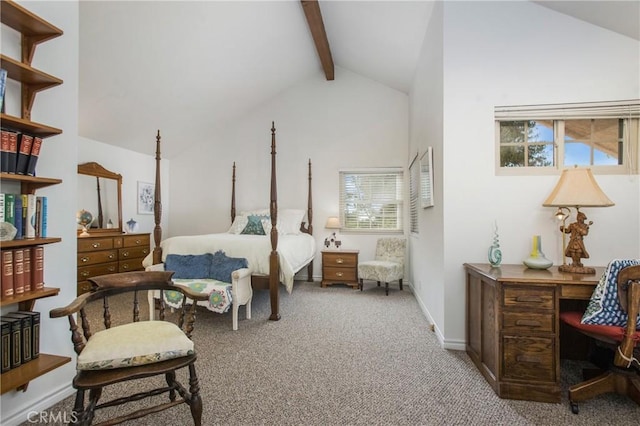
[616, 330]
[131, 349]
[388, 265]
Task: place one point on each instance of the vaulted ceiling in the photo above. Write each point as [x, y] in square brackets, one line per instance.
[189, 67]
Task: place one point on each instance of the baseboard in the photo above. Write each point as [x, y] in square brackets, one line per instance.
[32, 414]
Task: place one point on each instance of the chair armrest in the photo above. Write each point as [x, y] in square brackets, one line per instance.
[241, 290]
[73, 307]
[240, 273]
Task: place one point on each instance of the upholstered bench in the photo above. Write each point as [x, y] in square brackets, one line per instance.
[221, 294]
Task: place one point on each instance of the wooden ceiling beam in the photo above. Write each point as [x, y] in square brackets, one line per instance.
[316, 25]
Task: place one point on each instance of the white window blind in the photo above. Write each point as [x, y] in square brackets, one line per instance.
[583, 110]
[414, 178]
[371, 200]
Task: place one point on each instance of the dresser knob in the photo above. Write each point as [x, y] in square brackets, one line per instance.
[85, 259]
[85, 274]
[111, 256]
[125, 254]
[112, 269]
[339, 260]
[95, 245]
[339, 274]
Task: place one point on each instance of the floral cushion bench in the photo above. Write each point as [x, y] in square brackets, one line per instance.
[222, 295]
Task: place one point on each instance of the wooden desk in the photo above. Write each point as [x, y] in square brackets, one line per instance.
[513, 330]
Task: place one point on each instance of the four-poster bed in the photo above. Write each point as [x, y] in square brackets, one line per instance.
[268, 269]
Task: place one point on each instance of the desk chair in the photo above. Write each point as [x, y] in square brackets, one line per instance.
[135, 350]
[388, 264]
[623, 376]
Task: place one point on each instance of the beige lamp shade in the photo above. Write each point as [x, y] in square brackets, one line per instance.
[577, 188]
[332, 223]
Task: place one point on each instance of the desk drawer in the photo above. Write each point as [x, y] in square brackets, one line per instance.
[91, 258]
[339, 274]
[527, 322]
[529, 297]
[529, 358]
[133, 252]
[87, 272]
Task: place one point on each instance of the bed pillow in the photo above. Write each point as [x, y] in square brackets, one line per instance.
[222, 266]
[239, 223]
[254, 226]
[289, 221]
[604, 307]
[189, 265]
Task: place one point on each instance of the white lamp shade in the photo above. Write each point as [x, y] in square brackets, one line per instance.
[577, 188]
[333, 223]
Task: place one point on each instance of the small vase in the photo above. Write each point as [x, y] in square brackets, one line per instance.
[495, 254]
[537, 260]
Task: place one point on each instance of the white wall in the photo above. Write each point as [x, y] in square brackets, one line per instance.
[349, 122]
[57, 107]
[513, 53]
[134, 167]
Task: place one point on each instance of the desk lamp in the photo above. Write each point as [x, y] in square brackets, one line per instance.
[576, 188]
[332, 223]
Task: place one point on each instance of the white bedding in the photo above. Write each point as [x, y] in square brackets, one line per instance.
[295, 251]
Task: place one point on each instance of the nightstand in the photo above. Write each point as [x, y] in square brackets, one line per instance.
[340, 267]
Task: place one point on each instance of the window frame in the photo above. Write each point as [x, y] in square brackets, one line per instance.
[401, 202]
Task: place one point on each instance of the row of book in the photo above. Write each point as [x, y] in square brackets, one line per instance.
[20, 338]
[22, 271]
[26, 212]
[19, 152]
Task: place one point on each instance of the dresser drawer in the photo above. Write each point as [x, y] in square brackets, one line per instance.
[135, 241]
[94, 244]
[529, 358]
[130, 265]
[83, 287]
[91, 258]
[347, 260]
[133, 252]
[337, 274]
[87, 272]
[529, 297]
[528, 322]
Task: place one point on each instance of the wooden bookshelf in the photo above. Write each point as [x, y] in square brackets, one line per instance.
[18, 378]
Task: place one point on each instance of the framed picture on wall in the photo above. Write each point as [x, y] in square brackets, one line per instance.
[146, 192]
[426, 178]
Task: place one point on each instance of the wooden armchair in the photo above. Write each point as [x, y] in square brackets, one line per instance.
[134, 350]
[623, 376]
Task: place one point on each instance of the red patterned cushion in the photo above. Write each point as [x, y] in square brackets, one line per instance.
[612, 332]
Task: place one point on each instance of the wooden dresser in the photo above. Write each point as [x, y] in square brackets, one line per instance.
[104, 253]
[514, 334]
[340, 267]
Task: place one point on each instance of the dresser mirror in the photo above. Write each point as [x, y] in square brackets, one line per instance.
[100, 193]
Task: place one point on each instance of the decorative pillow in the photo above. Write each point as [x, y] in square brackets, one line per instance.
[289, 221]
[222, 266]
[137, 343]
[254, 226]
[238, 224]
[604, 307]
[189, 265]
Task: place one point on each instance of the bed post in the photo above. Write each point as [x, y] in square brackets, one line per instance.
[157, 208]
[274, 264]
[310, 225]
[233, 193]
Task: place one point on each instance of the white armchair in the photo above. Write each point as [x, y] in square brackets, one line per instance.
[388, 265]
[241, 293]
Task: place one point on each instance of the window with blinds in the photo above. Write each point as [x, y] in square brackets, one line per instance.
[600, 135]
[371, 200]
[414, 178]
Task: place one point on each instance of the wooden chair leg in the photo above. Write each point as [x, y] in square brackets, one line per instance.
[78, 408]
[195, 402]
[94, 396]
[170, 377]
[604, 383]
[400, 283]
[361, 284]
[386, 288]
[378, 283]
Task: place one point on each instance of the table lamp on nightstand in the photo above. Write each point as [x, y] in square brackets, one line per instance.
[333, 222]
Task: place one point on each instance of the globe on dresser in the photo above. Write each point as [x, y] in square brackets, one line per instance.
[84, 219]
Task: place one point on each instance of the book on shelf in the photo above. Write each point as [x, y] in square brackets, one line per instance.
[10, 208]
[35, 332]
[42, 205]
[7, 273]
[5, 345]
[25, 200]
[24, 151]
[25, 335]
[3, 87]
[17, 216]
[30, 228]
[26, 260]
[15, 343]
[1, 206]
[4, 151]
[33, 157]
[18, 271]
[13, 152]
[37, 223]
[37, 268]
